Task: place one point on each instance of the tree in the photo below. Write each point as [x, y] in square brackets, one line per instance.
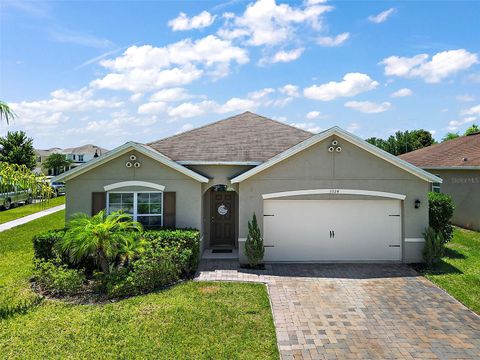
[254, 248]
[13, 175]
[17, 148]
[6, 113]
[57, 163]
[403, 142]
[101, 237]
[472, 129]
[450, 136]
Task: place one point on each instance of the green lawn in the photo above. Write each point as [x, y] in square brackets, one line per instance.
[191, 320]
[24, 210]
[459, 271]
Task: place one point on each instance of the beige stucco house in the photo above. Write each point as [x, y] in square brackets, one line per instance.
[323, 197]
[457, 162]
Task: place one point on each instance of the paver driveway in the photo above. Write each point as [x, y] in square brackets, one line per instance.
[359, 311]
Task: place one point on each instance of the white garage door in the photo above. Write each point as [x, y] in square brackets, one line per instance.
[332, 230]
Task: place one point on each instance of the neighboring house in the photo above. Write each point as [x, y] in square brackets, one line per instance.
[324, 197]
[79, 155]
[457, 162]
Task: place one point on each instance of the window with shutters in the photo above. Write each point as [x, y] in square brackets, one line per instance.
[145, 207]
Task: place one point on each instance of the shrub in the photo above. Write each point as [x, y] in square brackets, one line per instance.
[184, 244]
[44, 244]
[155, 269]
[440, 212]
[254, 248]
[57, 278]
[434, 248]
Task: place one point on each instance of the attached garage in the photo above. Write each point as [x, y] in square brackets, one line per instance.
[333, 230]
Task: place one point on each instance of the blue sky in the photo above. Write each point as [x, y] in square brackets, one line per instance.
[109, 72]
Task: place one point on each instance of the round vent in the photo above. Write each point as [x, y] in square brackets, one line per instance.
[128, 164]
[335, 142]
[133, 157]
[331, 149]
[338, 149]
[137, 164]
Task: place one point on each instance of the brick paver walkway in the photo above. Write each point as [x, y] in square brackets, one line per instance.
[359, 311]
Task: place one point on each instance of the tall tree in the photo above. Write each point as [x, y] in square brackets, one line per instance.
[403, 142]
[57, 163]
[472, 129]
[17, 148]
[6, 112]
[450, 136]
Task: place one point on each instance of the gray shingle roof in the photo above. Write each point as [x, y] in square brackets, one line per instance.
[245, 137]
[463, 151]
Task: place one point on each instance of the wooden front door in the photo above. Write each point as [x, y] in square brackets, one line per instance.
[222, 217]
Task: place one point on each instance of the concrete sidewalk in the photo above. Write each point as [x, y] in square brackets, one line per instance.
[28, 218]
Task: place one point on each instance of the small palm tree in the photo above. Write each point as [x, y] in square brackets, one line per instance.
[101, 237]
[131, 248]
[6, 112]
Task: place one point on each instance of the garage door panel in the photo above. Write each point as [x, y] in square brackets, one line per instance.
[364, 230]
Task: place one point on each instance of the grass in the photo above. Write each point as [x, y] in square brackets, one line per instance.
[459, 271]
[24, 210]
[192, 320]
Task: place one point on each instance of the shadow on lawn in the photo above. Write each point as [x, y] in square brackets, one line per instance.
[453, 254]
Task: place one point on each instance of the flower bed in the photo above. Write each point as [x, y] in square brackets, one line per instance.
[106, 258]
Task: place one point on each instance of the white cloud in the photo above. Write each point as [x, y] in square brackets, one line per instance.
[236, 104]
[353, 127]
[188, 110]
[136, 97]
[352, 84]
[333, 41]
[287, 56]
[381, 17]
[308, 126]
[74, 37]
[368, 107]
[260, 94]
[475, 110]
[170, 95]
[183, 22]
[475, 78]
[402, 93]
[441, 65]
[312, 115]
[144, 68]
[138, 80]
[266, 23]
[290, 90]
[152, 107]
[455, 124]
[185, 127]
[465, 97]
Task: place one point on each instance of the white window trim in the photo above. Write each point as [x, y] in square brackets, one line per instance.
[135, 205]
[121, 184]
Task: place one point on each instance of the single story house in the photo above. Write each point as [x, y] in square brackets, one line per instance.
[323, 197]
[457, 162]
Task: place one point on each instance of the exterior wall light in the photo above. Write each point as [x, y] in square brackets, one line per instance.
[417, 204]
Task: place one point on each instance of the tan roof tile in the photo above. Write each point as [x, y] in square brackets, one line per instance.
[463, 151]
[245, 137]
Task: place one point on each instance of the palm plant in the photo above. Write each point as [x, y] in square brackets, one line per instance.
[6, 112]
[101, 237]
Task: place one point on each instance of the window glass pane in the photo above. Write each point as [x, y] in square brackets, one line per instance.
[150, 222]
[114, 207]
[127, 198]
[143, 209]
[155, 208]
[115, 198]
[156, 198]
[143, 198]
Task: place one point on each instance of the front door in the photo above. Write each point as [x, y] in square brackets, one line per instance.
[222, 217]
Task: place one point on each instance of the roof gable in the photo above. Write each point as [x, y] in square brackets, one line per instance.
[463, 152]
[123, 149]
[245, 138]
[348, 137]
